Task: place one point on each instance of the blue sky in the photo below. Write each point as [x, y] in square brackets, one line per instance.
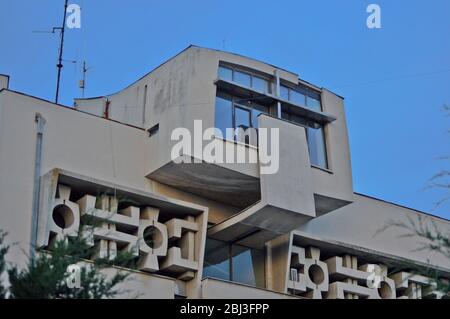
[394, 79]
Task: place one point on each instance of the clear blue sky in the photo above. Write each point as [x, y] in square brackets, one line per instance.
[394, 80]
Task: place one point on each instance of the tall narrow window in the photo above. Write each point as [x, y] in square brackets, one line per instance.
[317, 147]
[224, 114]
[284, 92]
[242, 121]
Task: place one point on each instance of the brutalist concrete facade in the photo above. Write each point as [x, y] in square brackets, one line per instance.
[218, 230]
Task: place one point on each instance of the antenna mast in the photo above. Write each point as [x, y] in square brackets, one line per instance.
[61, 46]
[82, 83]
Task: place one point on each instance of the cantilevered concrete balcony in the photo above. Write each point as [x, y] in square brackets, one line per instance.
[286, 189]
[275, 197]
[235, 184]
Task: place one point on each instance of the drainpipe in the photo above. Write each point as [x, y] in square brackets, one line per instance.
[106, 112]
[277, 91]
[40, 122]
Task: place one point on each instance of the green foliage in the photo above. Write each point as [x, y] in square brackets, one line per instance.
[3, 251]
[431, 239]
[46, 275]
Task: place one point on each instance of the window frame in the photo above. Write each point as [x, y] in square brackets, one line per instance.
[306, 92]
[307, 126]
[234, 105]
[229, 260]
[252, 74]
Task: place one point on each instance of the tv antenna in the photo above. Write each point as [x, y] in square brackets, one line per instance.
[61, 47]
[83, 81]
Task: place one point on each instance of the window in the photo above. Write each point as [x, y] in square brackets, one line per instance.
[260, 84]
[224, 114]
[234, 263]
[217, 260]
[301, 96]
[315, 137]
[242, 78]
[256, 110]
[242, 118]
[313, 103]
[247, 79]
[317, 148]
[225, 73]
[234, 112]
[284, 92]
[297, 97]
[242, 121]
[247, 266]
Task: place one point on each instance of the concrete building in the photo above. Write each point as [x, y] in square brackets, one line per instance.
[285, 226]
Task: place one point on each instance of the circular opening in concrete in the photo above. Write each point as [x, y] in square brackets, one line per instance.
[63, 216]
[384, 290]
[152, 237]
[316, 274]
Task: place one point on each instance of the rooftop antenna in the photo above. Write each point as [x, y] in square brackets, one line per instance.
[83, 81]
[61, 47]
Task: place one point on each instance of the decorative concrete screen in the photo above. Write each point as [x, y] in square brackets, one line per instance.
[340, 277]
[165, 235]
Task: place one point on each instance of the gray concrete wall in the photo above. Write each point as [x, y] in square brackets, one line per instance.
[182, 90]
[360, 223]
[337, 182]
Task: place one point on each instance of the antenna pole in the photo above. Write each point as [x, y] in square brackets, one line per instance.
[61, 46]
[84, 77]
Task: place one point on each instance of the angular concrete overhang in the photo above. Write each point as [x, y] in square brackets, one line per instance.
[287, 199]
[256, 225]
[235, 184]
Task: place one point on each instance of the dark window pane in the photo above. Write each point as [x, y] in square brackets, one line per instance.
[284, 92]
[256, 110]
[242, 118]
[313, 104]
[225, 73]
[297, 97]
[248, 266]
[242, 78]
[217, 261]
[260, 84]
[224, 114]
[298, 119]
[317, 149]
